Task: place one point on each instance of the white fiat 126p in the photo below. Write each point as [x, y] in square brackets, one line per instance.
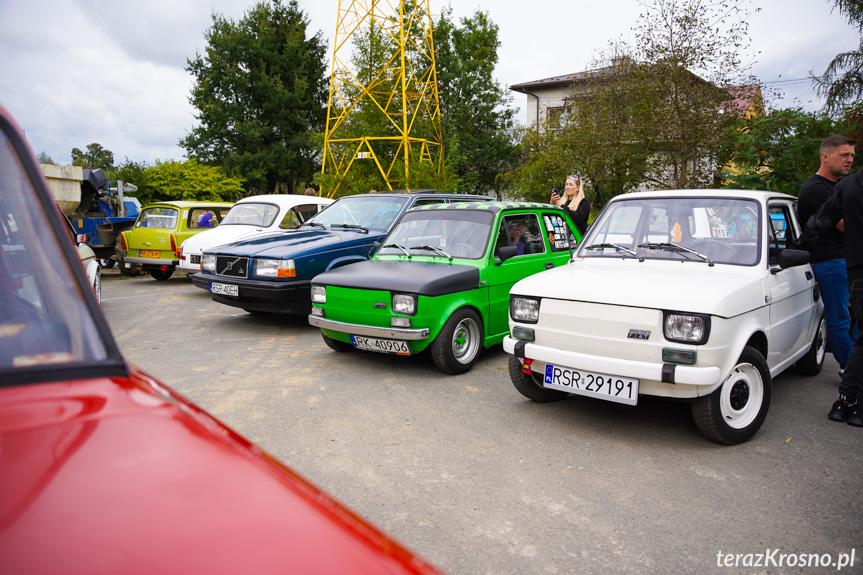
[690, 294]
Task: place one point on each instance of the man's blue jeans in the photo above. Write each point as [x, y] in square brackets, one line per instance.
[833, 282]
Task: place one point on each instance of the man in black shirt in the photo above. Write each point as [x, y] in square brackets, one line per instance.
[827, 256]
[844, 208]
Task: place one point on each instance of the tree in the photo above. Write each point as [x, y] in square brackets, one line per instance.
[191, 180]
[778, 151]
[648, 114]
[44, 158]
[134, 173]
[95, 157]
[478, 123]
[842, 81]
[781, 150]
[260, 92]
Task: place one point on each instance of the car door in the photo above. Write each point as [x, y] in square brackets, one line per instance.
[790, 290]
[527, 233]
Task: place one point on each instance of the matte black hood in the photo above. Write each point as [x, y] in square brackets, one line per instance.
[423, 278]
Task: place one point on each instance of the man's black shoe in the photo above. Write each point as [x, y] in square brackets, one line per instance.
[856, 416]
[840, 411]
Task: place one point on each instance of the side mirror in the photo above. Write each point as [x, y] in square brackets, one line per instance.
[789, 258]
[375, 247]
[505, 253]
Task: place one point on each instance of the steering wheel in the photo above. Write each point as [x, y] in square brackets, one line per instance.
[460, 250]
[715, 249]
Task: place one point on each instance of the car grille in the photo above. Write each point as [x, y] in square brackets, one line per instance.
[232, 266]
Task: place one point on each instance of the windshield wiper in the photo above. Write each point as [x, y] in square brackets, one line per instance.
[351, 226]
[402, 248]
[670, 247]
[433, 249]
[316, 225]
[614, 246]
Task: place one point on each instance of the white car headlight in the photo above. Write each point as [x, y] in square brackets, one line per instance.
[524, 309]
[267, 268]
[319, 294]
[686, 327]
[208, 262]
[404, 303]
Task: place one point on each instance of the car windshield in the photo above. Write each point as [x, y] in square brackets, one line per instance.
[44, 319]
[251, 214]
[158, 217]
[701, 228]
[375, 214]
[440, 233]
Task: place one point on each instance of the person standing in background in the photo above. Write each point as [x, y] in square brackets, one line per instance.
[844, 208]
[827, 256]
[573, 202]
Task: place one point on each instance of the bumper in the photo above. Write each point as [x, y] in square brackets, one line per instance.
[258, 295]
[370, 331]
[660, 379]
[151, 261]
[184, 266]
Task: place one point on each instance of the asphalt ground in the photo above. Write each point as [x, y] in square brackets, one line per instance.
[480, 480]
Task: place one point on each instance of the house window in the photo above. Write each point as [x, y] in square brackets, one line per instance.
[555, 117]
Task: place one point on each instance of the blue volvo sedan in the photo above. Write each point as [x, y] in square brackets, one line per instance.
[272, 273]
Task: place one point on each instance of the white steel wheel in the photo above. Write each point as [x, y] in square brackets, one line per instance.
[735, 412]
[741, 395]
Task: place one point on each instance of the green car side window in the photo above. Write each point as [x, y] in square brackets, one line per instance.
[521, 231]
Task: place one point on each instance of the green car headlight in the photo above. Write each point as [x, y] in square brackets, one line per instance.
[319, 294]
[268, 268]
[405, 304]
[686, 327]
[208, 262]
[524, 309]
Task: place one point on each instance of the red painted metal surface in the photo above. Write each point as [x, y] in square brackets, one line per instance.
[105, 470]
[124, 476]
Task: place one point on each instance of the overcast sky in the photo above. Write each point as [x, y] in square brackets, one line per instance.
[74, 72]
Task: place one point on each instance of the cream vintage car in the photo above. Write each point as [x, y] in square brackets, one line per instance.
[691, 294]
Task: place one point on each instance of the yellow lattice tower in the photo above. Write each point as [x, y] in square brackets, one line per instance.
[388, 111]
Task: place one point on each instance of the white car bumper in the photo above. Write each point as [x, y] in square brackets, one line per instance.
[661, 379]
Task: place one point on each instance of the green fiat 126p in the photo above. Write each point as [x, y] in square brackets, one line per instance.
[441, 278]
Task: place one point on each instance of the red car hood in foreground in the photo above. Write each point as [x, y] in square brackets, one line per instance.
[124, 476]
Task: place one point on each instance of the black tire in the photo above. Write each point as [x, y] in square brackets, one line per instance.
[813, 361]
[162, 275]
[457, 346]
[734, 413]
[337, 345]
[530, 386]
[132, 270]
[107, 263]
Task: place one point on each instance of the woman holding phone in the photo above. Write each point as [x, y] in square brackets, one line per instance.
[573, 202]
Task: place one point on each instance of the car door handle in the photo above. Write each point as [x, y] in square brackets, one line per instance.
[549, 265]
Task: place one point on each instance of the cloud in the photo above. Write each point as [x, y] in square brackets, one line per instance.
[74, 72]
